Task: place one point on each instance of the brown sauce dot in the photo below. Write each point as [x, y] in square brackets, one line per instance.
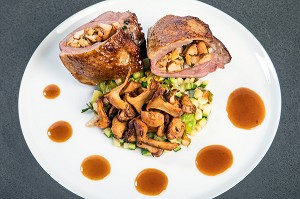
[245, 108]
[60, 131]
[95, 167]
[214, 159]
[51, 91]
[151, 182]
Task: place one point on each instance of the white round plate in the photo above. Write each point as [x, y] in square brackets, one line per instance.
[250, 67]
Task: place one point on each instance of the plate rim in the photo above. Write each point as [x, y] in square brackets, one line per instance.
[271, 68]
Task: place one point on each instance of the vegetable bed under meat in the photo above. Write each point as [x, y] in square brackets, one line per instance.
[150, 112]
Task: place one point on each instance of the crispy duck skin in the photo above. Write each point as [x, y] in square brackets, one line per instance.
[172, 32]
[108, 59]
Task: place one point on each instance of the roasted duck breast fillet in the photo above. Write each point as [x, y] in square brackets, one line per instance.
[104, 49]
[184, 47]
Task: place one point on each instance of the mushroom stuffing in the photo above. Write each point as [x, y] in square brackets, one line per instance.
[149, 112]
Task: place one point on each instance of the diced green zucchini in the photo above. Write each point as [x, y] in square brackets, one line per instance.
[206, 110]
[102, 87]
[138, 75]
[158, 138]
[167, 81]
[144, 84]
[190, 122]
[173, 81]
[175, 141]
[202, 122]
[121, 141]
[188, 86]
[145, 152]
[198, 114]
[118, 81]
[197, 93]
[116, 142]
[130, 146]
[177, 148]
[96, 95]
[107, 132]
[194, 101]
[150, 135]
[111, 84]
[178, 94]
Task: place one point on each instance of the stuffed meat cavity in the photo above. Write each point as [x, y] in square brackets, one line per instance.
[104, 49]
[184, 47]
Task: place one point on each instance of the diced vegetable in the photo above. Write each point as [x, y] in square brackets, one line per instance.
[150, 135]
[118, 81]
[173, 80]
[144, 84]
[96, 95]
[206, 110]
[190, 122]
[111, 84]
[177, 148]
[145, 152]
[102, 87]
[138, 75]
[116, 142]
[202, 122]
[107, 131]
[130, 146]
[198, 114]
[197, 93]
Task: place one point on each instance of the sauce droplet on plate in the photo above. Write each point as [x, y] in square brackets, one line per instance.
[51, 91]
[245, 108]
[60, 131]
[214, 159]
[95, 167]
[151, 182]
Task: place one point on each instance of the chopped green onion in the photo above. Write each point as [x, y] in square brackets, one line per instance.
[89, 107]
[124, 27]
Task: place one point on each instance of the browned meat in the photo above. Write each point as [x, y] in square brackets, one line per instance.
[184, 47]
[104, 48]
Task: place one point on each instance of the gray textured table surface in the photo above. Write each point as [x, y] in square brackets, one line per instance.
[24, 24]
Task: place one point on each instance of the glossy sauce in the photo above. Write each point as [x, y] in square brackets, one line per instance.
[151, 182]
[245, 108]
[51, 91]
[214, 159]
[60, 131]
[95, 167]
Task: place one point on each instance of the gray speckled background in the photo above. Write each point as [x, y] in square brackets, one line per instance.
[24, 24]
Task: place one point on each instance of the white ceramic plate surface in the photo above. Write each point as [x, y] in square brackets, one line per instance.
[250, 67]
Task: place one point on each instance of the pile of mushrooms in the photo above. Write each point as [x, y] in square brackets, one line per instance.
[133, 111]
